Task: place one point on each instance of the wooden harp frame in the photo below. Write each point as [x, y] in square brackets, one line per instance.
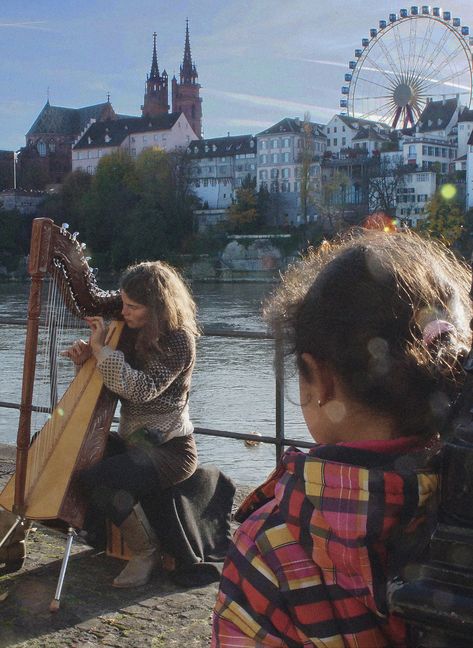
[54, 251]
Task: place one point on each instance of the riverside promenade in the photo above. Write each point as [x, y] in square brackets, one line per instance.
[92, 612]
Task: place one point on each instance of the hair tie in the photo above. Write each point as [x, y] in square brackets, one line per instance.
[435, 329]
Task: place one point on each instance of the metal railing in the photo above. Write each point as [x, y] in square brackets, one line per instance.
[278, 440]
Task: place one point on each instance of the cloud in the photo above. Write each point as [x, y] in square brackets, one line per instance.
[270, 102]
[39, 25]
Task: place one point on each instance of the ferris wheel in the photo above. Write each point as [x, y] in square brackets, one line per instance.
[418, 55]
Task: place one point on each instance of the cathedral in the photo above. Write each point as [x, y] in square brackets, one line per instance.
[184, 93]
[47, 156]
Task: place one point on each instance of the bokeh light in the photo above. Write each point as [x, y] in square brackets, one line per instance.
[380, 221]
[448, 191]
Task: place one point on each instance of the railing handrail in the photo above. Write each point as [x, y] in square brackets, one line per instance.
[278, 440]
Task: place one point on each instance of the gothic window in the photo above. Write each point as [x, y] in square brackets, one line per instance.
[52, 146]
[41, 146]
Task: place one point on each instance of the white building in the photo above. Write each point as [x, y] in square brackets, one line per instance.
[413, 194]
[439, 120]
[280, 151]
[341, 131]
[469, 173]
[131, 134]
[464, 130]
[219, 166]
[429, 153]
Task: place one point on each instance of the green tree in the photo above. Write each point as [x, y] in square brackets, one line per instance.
[13, 239]
[445, 219]
[106, 210]
[67, 205]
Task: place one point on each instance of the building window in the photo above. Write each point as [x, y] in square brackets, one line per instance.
[41, 146]
[335, 141]
[274, 143]
[286, 142]
[285, 157]
[264, 144]
[274, 158]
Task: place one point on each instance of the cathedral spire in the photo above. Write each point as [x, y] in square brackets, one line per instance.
[154, 74]
[188, 71]
[156, 89]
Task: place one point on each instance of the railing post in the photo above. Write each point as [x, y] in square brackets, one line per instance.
[279, 371]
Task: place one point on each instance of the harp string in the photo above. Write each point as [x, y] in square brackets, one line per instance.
[53, 376]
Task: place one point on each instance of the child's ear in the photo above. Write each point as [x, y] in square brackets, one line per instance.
[321, 377]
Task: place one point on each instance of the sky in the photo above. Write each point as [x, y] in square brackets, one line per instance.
[258, 61]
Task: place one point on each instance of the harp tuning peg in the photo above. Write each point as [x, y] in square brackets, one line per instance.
[75, 235]
[83, 245]
[65, 226]
[88, 259]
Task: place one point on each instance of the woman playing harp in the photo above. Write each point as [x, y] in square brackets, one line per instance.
[155, 447]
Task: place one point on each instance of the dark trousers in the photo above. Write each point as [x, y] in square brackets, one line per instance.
[116, 483]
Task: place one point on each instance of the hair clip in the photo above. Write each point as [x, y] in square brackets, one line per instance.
[435, 329]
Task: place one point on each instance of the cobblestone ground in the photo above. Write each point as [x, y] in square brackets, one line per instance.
[92, 612]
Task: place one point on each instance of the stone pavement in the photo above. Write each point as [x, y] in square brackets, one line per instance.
[92, 612]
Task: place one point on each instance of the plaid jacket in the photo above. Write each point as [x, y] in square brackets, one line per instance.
[310, 562]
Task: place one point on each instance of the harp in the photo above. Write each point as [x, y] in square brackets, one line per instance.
[76, 424]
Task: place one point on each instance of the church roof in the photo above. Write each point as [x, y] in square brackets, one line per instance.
[58, 120]
[114, 131]
[291, 125]
[222, 146]
[436, 115]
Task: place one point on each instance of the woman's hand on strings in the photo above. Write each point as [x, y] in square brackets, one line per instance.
[98, 333]
[78, 352]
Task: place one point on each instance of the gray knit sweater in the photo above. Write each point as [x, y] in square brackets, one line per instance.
[154, 395]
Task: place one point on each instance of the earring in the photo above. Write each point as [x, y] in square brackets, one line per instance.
[319, 403]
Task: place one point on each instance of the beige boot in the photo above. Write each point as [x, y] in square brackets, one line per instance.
[142, 542]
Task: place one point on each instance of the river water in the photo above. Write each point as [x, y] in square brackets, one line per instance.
[233, 386]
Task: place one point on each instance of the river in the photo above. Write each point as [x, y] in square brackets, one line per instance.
[233, 386]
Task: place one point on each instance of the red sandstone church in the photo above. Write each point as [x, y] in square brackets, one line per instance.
[47, 156]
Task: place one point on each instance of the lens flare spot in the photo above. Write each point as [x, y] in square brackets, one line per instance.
[335, 410]
[448, 191]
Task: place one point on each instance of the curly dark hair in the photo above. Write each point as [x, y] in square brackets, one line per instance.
[361, 305]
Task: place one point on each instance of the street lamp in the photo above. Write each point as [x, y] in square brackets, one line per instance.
[15, 162]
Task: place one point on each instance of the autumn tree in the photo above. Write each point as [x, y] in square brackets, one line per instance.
[445, 219]
[244, 215]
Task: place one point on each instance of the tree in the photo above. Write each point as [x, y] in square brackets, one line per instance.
[14, 241]
[384, 182]
[244, 215]
[306, 159]
[332, 203]
[445, 220]
[68, 204]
